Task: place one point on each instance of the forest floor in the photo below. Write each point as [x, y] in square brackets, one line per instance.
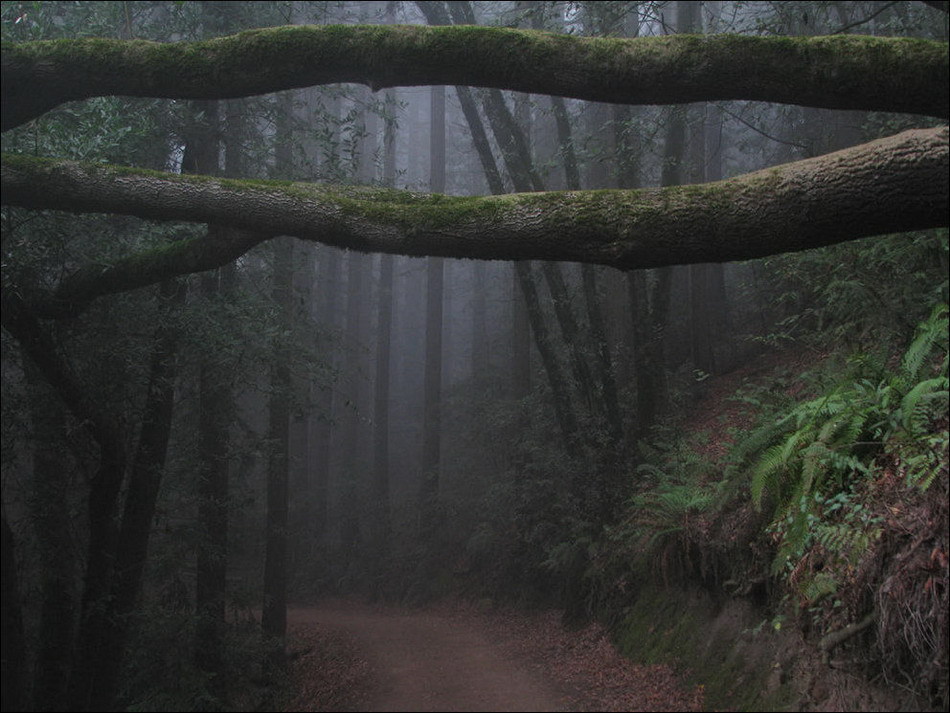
[350, 656]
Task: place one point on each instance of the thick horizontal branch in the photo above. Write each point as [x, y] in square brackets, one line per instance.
[891, 185]
[839, 72]
[217, 248]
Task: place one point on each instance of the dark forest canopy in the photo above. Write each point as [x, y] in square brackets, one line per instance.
[891, 185]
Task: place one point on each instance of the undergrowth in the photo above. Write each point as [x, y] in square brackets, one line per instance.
[835, 504]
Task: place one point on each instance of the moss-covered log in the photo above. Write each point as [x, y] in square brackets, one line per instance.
[899, 183]
[839, 72]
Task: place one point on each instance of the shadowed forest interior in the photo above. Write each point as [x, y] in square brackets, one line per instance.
[196, 438]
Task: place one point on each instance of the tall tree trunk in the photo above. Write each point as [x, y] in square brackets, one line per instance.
[328, 282]
[432, 411]
[349, 512]
[384, 320]
[214, 420]
[381, 406]
[605, 396]
[520, 339]
[215, 410]
[480, 355]
[50, 515]
[651, 321]
[13, 693]
[708, 308]
[563, 408]
[274, 609]
[148, 466]
[102, 499]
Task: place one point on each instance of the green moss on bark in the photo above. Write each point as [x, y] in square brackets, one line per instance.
[844, 71]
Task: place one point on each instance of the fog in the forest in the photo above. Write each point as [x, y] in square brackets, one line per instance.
[401, 429]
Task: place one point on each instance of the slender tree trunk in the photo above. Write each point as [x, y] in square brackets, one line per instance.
[384, 320]
[148, 467]
[480, 355]
[274, 609]
[95, 627]
[13, 694]
[214, 420]
[215, 409]
[651, 327]
[571, 333]
[708, 308]
[349, 517]
[381, 406]
[104, 488]
[328, 282]
[563, 408]
[605, 395]
[520, 338]
[432, 412]
[50, 515]
[607, 384]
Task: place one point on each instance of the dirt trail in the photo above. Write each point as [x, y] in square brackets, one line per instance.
[425, 661]
[456, 656]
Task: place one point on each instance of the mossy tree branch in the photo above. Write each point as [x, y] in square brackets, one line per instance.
[838, 72]
[895, 184]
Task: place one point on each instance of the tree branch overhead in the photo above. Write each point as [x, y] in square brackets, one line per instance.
[839, 72]
[806, 204]
[890, 185]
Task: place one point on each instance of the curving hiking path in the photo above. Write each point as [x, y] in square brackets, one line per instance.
[427, 661]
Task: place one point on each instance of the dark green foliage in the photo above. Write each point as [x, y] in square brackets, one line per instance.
[823, 444]
[874, 290]
[161, 675]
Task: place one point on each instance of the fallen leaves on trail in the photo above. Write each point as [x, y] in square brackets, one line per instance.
[327, 670]
[330, 674]
[591, 673]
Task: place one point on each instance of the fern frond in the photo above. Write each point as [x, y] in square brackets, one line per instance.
[931, 330]
[765, 478]
[928, 389]
[814, 463]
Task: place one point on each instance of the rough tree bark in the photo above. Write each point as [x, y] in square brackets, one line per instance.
[894, 184]
[838, 72]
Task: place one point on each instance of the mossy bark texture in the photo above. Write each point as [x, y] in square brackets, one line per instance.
[838, 72]
[895, 184]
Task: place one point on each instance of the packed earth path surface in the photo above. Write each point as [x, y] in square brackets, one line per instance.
[461, 657]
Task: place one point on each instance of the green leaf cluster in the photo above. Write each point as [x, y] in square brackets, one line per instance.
[821, 446]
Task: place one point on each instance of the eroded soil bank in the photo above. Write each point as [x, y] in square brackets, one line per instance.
[743, 662]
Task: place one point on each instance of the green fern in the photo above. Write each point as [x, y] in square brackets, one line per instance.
[935, 391]
[846, 540]
[817, 441]
[659, 514]
[817, 586]
[819, 437]
[930, 332]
